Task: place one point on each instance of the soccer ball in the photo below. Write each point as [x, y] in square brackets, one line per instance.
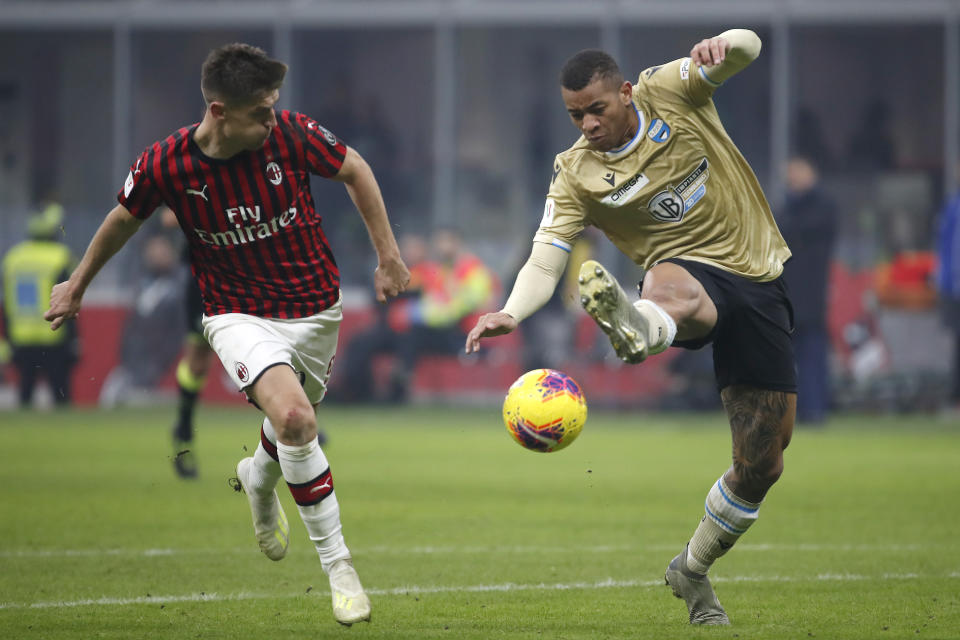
[544, 410]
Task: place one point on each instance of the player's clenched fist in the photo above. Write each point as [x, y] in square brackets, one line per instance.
[64, 304]
[489, 325]
[390, 279]
[710, 52]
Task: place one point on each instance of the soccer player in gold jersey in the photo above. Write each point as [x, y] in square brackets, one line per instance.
[656, 172]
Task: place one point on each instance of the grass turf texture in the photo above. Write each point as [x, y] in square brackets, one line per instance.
[457, 532]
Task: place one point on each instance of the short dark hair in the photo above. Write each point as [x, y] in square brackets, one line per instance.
[239, 73]
[587, 65]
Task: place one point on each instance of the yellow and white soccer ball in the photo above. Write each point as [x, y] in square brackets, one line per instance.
[544, 410]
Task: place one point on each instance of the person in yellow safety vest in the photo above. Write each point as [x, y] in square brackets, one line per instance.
[455, 291]
[30, 269]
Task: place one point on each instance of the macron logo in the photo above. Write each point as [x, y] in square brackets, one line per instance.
[202, 193]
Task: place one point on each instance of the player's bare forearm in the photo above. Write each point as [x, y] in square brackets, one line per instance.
[726, 54]
[392, 275]
[116, 229]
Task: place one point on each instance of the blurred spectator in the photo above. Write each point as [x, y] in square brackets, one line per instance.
[906, 281]
[443, 301]
[452, 299]
[388, 329]
[30, 269]
[808, 224]
[948, 283]
[871, 146]
[157, 312]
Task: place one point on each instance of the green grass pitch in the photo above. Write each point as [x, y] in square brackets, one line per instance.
[457, 532]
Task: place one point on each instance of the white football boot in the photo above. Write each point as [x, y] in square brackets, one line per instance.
[350, 603]
[604, 299]
[269, 521]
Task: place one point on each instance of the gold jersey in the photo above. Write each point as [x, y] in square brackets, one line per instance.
[679, 189]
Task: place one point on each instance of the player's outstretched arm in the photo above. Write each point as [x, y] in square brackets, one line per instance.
[114, 231]
[533, 288]
[729, 53]
[391, 276]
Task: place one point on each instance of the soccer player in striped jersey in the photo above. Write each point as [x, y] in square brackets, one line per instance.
[656, 172]
[239, 184]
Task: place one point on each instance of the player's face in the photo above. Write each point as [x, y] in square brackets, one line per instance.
[250, 123]
[602, 113]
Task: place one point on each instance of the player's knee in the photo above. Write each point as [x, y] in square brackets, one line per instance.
[673, 295]
[296, 425]
[773, 472]
[762, 474]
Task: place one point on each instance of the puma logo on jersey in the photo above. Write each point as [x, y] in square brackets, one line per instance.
[626, 192]
[202, 193]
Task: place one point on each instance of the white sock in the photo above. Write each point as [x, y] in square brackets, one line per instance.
[663, 329]
[308, 476]
[265, 472]
[727, 518]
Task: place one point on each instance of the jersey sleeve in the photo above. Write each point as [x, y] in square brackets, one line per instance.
[324, 151]
[139, 194]
[563, 213]
[679, 81]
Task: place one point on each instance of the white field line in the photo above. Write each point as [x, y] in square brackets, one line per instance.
[461, 550]
[479, 588]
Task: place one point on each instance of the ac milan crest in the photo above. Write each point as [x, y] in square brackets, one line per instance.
[242, 372]
[274, 174]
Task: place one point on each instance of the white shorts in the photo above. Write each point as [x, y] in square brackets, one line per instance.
[249, 345]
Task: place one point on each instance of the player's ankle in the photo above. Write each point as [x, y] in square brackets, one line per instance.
[662, 329]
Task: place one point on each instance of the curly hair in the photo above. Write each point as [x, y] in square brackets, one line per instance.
[588, 65]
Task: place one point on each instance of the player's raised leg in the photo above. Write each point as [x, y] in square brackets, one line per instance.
[674, 306]
[307, 473]
[761, 424]
[635, 332]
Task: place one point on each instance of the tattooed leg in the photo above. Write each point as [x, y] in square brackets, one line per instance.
[761, 424]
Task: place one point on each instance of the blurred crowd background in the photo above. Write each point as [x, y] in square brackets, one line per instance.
[850, 119]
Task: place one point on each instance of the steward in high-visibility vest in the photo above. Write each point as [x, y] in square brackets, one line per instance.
[30, 269]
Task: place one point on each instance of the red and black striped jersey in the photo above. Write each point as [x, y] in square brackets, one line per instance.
[255, 239]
